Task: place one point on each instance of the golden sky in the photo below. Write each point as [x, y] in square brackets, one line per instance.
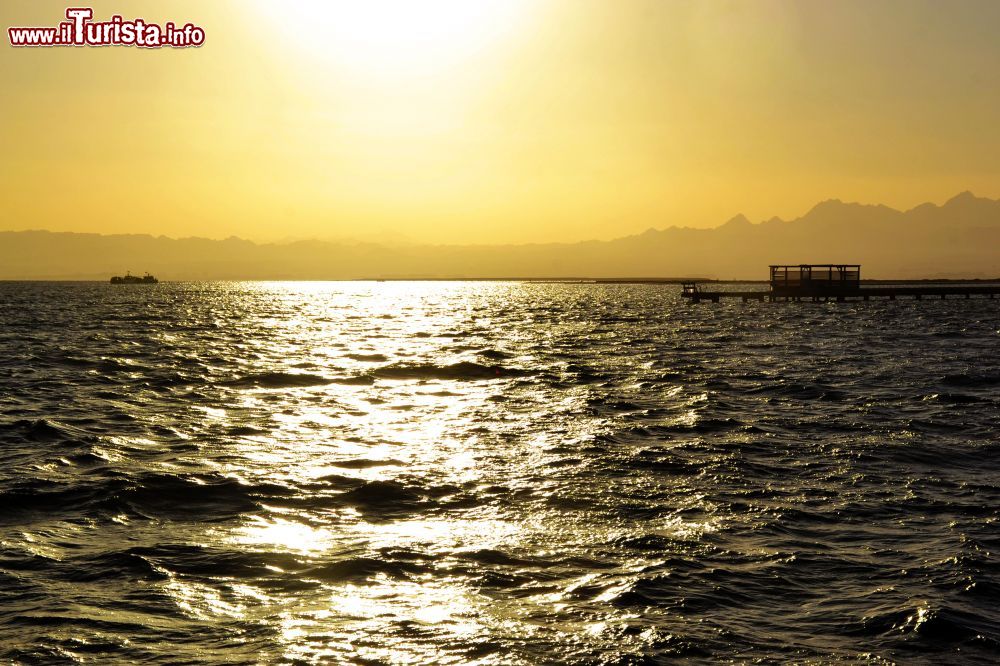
[473, 121]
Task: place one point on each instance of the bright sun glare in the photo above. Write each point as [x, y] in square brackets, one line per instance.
[379, 36]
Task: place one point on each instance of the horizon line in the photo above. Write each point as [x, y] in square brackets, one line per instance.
[541, 280]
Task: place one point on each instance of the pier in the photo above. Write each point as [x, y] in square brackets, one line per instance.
[832, 282]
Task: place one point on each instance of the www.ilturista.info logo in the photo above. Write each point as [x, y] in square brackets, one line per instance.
[80, 30]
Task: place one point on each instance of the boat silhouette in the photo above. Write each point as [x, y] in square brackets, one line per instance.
[128, 278]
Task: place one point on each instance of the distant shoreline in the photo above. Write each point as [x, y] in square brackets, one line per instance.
[950, 241]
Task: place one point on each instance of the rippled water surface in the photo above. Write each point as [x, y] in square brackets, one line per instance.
[494, 473]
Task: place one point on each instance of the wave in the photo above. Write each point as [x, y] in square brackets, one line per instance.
[364, 463]
[939, 625]
[368, 358]
[211, 560]
[359, 569]
[46, 430]
[278, 380]
[494, 354]
[246, 431]
[971, 379]
[462, 371]
[382, 494]
[954, 398]
[202, 497]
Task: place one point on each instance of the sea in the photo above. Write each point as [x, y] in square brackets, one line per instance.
[494, 473]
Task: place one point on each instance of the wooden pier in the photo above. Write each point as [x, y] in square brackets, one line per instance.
[833, 282]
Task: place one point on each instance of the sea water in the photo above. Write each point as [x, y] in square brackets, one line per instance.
[494, 473]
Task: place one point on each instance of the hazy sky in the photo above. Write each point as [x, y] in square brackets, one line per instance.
[496, 120]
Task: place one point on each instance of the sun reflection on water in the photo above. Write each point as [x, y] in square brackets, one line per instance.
[417, 498]
[287, 535]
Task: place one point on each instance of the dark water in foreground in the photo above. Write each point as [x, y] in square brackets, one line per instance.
[494, 473]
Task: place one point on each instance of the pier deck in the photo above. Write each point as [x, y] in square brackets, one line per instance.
[697, 295]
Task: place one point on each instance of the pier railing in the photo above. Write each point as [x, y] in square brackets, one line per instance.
[689, 289]
[815, 277]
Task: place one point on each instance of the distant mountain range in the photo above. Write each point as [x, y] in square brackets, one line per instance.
[960, 239]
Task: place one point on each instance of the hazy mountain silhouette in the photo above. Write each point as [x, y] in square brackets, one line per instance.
[958, 239]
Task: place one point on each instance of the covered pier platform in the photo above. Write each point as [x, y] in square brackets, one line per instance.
[832, 282]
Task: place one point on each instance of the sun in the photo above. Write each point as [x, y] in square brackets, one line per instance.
[379, 37]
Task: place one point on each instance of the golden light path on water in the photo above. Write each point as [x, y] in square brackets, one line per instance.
[478, 451]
